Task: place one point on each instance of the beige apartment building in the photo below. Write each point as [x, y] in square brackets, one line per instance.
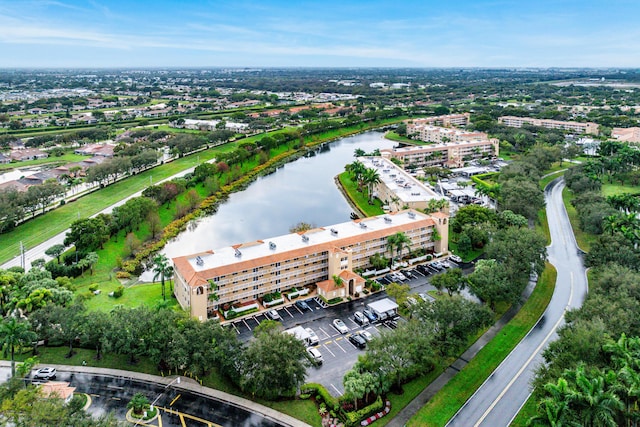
[431, 133]
[450, 154]
[397, 188]
[578, 127]
[626, 134]
[243, 273]
[448, 120]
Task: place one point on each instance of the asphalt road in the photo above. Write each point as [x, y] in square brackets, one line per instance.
[502, 395]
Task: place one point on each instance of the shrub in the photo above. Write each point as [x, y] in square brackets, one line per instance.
[93, 287]
[322, 395]
[118, 292]
[304, 396]
[375, 287]
[353, 418]
[123, 275]
[232, 314]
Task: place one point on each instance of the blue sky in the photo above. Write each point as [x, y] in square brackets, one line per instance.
[327, 33]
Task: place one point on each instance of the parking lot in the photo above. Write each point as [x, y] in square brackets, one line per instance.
[338, 352]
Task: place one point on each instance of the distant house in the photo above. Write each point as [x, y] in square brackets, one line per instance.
[28, 154]
[4, 159]
[102, 150]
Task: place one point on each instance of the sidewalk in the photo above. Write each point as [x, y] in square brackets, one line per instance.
[185, 384]
[420, 400]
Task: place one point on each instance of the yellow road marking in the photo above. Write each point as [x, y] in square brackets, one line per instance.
[182, 421]
[174, 400]
[190, 417]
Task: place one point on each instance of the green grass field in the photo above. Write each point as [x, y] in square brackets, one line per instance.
[360, 199]
[584, 240]
[395, 137]
[452, 396]
[49, 162]
[613, 189]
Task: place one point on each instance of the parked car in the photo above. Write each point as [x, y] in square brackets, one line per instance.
[358, 340]
[370, 315]
[423, 296]
[273, 315]
[361, 319]
[340, 326]
[392, 324]
[313, 338]
[366, 335]
[455, 258]
[45, 374]
[302, 305]
[315, 354]
[411, 301]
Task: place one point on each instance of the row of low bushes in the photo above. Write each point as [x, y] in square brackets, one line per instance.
[350, 418]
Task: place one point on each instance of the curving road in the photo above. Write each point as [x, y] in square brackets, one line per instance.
[502, 395]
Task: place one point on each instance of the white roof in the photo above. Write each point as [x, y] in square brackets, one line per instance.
[289, 242]
[404, 186]
[383, 305]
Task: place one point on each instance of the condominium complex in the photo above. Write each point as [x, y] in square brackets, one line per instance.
[447, 121]
[397, 188]
[579, 127]
[450, 154]
[245, 272]
[626, 134]
[431, 133]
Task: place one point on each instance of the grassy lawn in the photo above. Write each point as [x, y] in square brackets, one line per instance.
[49, 161]
[304, 410]
[395, 137]
[584, 240]
[526, 412]
[456, 392]
[43, 227]
[360, 199]
[548, 179]
[613, 189]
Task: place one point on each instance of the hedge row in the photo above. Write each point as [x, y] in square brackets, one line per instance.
[354, 417]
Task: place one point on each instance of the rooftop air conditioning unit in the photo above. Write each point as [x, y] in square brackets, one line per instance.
[363, 225]
[272, 245]
[238, 253]
[387, 219]
[334, 231]
[199, 260]
[305, 238]
[412, 214]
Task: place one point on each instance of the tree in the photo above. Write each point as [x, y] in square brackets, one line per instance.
[370, 178]
[399, 292]
[138, 404]
[15, 333]
[489, 283]
[87, 234]
[522, 196]
[161, 269]
[398, 241]
[451, 280]
[273, 365]
[354, 386]
[154, 223]
[55, 251]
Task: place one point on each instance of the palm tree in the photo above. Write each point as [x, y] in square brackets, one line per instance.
[356, 170]
[399, 241]
[370, 178]
[15, 333]
[593, 400]
[161, 269]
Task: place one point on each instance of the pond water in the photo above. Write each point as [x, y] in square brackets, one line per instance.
[303, 190]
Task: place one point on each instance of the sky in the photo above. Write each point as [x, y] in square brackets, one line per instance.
[325, 33]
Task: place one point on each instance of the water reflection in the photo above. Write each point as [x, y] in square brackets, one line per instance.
[303, 190]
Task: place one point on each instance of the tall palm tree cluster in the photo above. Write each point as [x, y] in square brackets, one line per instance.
[364, 176]
[398, 242]
[626, 221]
[594, 397]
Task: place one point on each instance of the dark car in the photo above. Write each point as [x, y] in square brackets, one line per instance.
[302, 305]
[391, 324]
[370, 315]
[358, 340]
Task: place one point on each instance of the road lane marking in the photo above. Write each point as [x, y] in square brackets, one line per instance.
[246, 324]
[327, 348]
[174, 400]
[324, 332]
[285, 309]
[526, 364]
[337, 391]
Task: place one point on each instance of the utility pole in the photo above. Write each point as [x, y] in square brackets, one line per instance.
[22, 257]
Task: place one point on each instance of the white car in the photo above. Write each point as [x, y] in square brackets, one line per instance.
[340, 326]
[366, 335]
[273, 315]
[313, 338]
[455, 258]
[45, 374]
[315, 354]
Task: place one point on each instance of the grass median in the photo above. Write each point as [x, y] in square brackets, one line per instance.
[439, 410]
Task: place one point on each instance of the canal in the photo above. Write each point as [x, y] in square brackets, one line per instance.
[303, 190]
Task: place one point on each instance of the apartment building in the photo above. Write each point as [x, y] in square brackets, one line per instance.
[397, 188]
[448, 120]
[578, 127]
[244, 272]
[626, 134]
[450, 154]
